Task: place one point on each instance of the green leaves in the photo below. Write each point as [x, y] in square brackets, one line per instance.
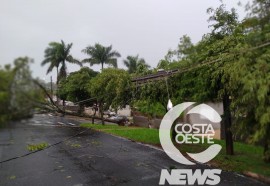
[35, 147]
[75, 87]
[18, 94]
[135, 64]
[111, 87]
[57, 54]
[227, 60]
[101, 55]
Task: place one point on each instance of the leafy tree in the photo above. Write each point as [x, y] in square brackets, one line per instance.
[259, 13]
[18, 95]
[182, 56]
[135, 64]
[156, 92]
[230, 64]
[224, 21]
[163, 64]
[111, 88]
[206, 82]
[6, 76]
[223, 40]
[252, 100]
[75, 87]
[58, 54]
[101, 55]
[185, 47]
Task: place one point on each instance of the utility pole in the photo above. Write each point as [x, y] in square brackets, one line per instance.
[227, 124]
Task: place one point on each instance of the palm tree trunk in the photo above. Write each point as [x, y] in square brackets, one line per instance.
[102, 66]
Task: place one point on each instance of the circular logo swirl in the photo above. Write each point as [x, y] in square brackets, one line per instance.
[165, 133]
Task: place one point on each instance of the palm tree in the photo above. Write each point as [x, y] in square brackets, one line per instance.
[57, 54]
[101, 55]
[51, 57]
[133, 63]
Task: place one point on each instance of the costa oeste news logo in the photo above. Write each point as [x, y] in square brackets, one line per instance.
[189, 134]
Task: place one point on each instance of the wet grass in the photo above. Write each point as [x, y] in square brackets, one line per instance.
[144, 135]
[247, 157]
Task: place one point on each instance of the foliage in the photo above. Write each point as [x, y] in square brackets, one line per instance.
[22, 89]
[18, 94]
[155, 92]
[6, 76]
[36, 147]
[75, 87]
[153, 109]
[101, 55]
[57, 54]
[225, 66]
[145, 135]
[112, 88]
[135, 64]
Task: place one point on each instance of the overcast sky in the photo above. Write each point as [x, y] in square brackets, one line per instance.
[145, 27]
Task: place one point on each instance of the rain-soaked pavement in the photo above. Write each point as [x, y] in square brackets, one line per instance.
[90, 158]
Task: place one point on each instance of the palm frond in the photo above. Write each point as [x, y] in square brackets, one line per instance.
[45, 61]
[126, 63]
[134, 62]
[73, 60]
[87, 60]
[112, 62]
[94, 62]
[50, 68]
[100, 55]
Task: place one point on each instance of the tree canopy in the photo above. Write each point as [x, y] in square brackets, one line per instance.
[75, 87]
[101, 55]
[56, 55]
[135, 64]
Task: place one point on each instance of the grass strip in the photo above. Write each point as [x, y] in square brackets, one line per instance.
[247, 157]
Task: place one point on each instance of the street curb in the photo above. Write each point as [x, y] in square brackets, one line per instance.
[257, 176]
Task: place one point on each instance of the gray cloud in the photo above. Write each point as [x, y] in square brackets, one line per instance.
[145, 27]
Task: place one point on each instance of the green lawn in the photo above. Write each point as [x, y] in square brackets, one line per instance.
[246, 158]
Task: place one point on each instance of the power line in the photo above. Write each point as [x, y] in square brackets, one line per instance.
[178, 71]
[49, 146]
[198, 65]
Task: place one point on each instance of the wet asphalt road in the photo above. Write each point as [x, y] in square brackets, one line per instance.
[91, 158]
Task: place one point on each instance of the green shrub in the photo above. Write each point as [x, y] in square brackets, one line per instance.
[152, 109]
